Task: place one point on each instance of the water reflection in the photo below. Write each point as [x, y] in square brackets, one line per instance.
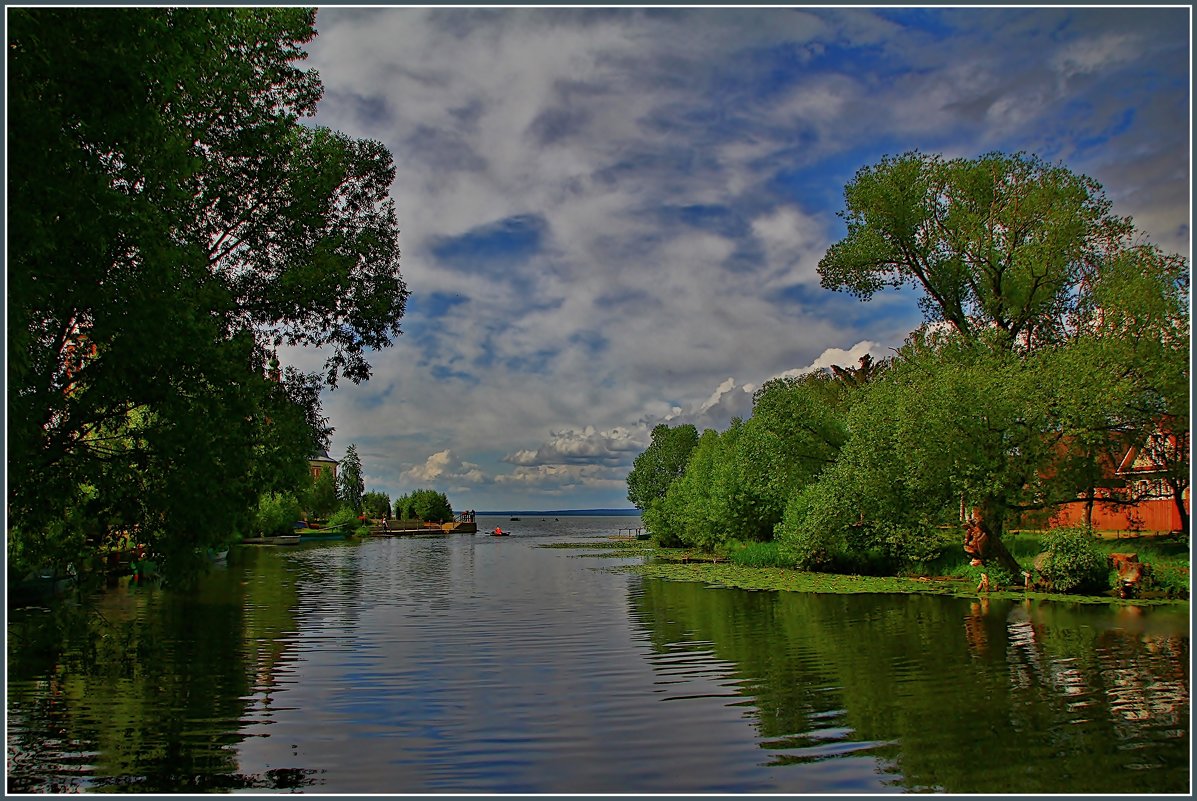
[141, 690]
[477, 664]
[945, 694]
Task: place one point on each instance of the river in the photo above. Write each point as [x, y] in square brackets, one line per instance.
[477, 664]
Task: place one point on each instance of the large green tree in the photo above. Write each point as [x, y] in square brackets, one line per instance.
[1006, 243]
[376, 504]
[424, 504]
[171, 222]
[351, 484]
[655, 470]
[1036, 280]
[661, 463]
[797, 428]
[691, 513]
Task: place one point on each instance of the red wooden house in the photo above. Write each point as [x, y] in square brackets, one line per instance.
[1139, 496]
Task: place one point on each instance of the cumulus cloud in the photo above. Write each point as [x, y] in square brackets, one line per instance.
[608, 212]
[587, 446]
[731, 399]
[444, 467]
[558, 479]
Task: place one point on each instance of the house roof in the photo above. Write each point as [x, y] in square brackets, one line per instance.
[322, 456]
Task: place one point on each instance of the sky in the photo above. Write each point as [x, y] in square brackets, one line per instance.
[612, 218]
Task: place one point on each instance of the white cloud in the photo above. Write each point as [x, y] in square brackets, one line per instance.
[444, 466]
[587, 446]
[612, 126]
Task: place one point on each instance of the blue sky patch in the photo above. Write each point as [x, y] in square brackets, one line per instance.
[578, 158]
[499, 244]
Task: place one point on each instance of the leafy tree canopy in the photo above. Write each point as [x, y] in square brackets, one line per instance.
[351, 485]
[424, 504]
[1007, 242]
[172, 221]
[376, 504]
[661, 463]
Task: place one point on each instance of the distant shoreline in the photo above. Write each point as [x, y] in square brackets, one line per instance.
[633, 512]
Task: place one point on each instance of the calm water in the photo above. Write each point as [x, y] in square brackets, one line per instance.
[480, 664]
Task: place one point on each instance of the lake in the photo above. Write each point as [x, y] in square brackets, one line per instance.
[477, 664]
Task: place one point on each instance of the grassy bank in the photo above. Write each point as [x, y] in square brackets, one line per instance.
[758, 566]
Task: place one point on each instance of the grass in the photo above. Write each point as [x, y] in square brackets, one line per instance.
[759, 566]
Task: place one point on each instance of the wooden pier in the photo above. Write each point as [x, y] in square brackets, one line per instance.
[401, 527]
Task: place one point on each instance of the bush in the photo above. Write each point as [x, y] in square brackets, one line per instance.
[1072, 562]
[277, 513]
[376, 504]
[344, 517]
[1170, 579]
[808, 533]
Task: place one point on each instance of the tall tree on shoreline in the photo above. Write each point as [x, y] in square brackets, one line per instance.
[171, 222]
[1015, 258]
[351, 485]
[658, 467]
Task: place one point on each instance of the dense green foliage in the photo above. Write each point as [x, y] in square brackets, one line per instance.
[654, 470]
[347, 520]
[277, 514]
[424, 504]
[1054, 340]
[1071, 561]
[376, 504]
[351, 484]
[322, 495]
[172, 223]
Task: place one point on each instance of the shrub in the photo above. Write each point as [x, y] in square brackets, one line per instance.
[1170, 579]
[344, 517]
[808, 533]
[1072, 562]
[277, 513]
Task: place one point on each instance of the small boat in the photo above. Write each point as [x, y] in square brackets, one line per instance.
[498, 532]
[515, 519]
[218, 556]
[39, 586]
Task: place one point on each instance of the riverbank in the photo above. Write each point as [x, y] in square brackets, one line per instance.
[686, 565]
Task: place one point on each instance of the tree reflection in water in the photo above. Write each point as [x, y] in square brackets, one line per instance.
[948, 694]
[143, 690]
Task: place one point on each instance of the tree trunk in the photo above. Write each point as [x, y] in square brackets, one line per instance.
[983, 540]
[1178, 497]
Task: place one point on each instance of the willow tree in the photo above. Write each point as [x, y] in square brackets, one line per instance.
[1016, 257]
[1004, 242]
[653, 472]
[172, 220]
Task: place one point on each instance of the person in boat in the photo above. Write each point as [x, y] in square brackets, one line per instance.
[498, 532]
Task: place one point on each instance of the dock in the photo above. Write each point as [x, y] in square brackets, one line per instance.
[635, 532]
[402, 527]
